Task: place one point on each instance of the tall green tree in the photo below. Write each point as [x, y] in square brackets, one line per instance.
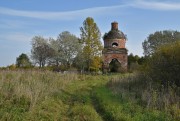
[92, 46]
[159, 38]
[23, 61]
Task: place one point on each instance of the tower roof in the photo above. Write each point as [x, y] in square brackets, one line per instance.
[114, 33]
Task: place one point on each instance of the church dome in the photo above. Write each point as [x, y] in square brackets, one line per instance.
[114, 34]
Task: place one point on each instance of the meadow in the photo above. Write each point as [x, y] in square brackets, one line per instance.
[27, 95]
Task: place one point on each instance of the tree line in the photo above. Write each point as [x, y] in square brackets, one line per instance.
[161, 50]
[84, 53]
[67, 51]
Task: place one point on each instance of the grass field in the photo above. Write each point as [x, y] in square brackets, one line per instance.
[49, 96]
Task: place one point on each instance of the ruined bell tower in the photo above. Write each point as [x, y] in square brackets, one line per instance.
[114, 52]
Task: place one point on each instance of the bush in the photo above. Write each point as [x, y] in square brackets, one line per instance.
[164, 65]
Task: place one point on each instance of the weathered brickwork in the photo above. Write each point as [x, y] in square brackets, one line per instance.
[114, 48]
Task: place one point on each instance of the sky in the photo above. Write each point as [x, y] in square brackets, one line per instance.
[21, 20]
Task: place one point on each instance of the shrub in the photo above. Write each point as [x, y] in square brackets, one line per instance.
[165, 64]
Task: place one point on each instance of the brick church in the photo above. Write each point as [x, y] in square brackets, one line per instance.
[114, 52]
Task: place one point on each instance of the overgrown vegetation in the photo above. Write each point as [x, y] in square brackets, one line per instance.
[156, 84]
[44, 95]
[23, 93]
[141, 90]
[164, 65]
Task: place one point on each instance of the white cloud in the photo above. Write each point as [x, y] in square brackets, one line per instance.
[65, 15]
[16, 36]
[14, 24]
[96, 11]
[167, 6]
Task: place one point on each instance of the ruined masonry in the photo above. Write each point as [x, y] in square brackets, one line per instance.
[114, 52]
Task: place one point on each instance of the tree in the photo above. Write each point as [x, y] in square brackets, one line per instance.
[154, 41]
[79, 62]
[164, 65]
[23, 61]
[92, 46]
[56, 58]
[68, 47]
[11, 67]
[41, 50]
[133, 62]
[132, 59]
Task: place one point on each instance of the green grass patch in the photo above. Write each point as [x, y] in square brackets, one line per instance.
[49, 110]
[114, 108]
[81, 112]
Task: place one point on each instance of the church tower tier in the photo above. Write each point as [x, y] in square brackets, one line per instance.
[114, 52]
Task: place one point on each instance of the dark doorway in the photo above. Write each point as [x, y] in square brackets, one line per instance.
[114, 65]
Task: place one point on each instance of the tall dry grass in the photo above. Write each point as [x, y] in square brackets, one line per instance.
[33, 85]
[142, 90]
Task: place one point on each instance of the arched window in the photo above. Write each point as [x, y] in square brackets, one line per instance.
[114, 44]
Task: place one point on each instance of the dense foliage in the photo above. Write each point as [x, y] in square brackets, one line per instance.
[23, 61]
[163, 61]
[164, 65]
[155, 40]
[66, 48]
[134, 62]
